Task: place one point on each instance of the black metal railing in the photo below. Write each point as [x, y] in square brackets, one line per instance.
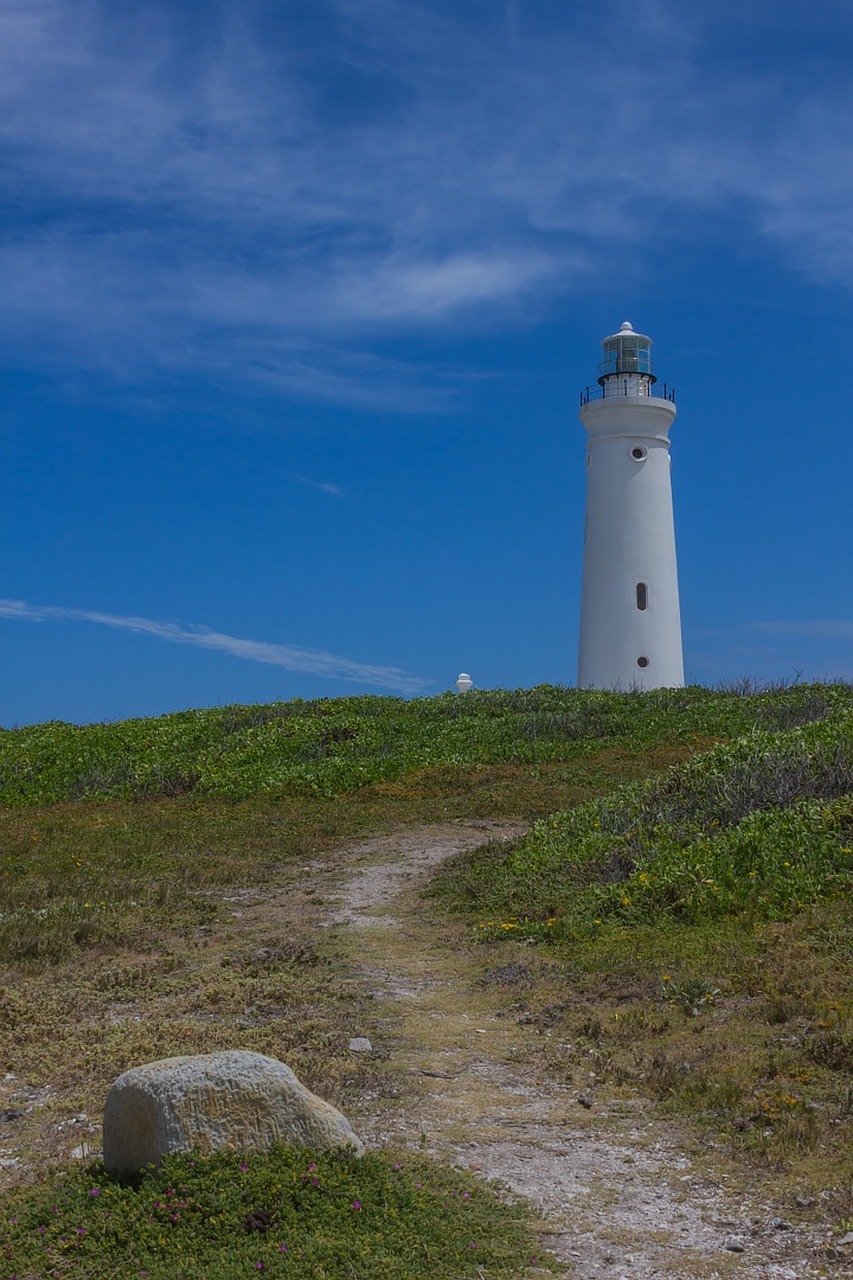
[614, 388]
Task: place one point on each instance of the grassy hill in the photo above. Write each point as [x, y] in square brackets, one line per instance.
[681, 903]
[333, 746]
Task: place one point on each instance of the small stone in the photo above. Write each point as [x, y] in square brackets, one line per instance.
[804, 1202]
[585, 1101]
[734, 1246]
[846, 1240]
[781, 1225]
[360, 1044]
[11, 1113]
[84, 1152]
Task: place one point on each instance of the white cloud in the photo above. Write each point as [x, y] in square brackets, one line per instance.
[308, 661]
[418, 289]
[216, 197]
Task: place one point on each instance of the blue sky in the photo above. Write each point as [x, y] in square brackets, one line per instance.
[296, 300]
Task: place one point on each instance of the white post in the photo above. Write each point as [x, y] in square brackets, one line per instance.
[630, 631]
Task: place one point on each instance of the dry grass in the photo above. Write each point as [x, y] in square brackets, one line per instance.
[761, 1071]
[200, 933]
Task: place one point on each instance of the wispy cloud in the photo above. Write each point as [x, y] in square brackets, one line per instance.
[253, 194]
[324, 486]
[307, 661]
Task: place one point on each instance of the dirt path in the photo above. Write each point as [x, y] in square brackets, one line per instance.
[619, 1193]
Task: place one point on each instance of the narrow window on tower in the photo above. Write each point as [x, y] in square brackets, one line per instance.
[642, 596]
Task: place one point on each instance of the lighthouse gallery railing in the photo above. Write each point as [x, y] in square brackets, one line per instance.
[625, 388]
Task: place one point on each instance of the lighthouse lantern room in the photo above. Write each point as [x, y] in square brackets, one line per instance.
[630, 632]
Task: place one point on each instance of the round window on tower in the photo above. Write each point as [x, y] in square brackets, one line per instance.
[642, 662]
[639, 454]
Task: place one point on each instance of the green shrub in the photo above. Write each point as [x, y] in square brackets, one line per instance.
[768, 866]
[760, 826]
[333, 746]
[286, 1213]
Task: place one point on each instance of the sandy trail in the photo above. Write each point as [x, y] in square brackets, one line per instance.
[619, 1192]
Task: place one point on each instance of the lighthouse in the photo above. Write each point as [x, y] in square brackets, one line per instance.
[630, 629]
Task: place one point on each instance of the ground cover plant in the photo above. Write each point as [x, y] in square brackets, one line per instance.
[286, 1213]
[761, 827]
[741, 1035]
[702, 923]
[128, 932]
[332, 746]
[136, 859]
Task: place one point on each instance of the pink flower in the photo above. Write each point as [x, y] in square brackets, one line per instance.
[356, 1204]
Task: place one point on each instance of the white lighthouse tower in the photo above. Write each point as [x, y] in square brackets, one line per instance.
[630, 632]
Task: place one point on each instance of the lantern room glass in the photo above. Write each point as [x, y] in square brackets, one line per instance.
[627, 353]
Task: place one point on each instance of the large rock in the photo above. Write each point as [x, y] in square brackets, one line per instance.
[231, 1101]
